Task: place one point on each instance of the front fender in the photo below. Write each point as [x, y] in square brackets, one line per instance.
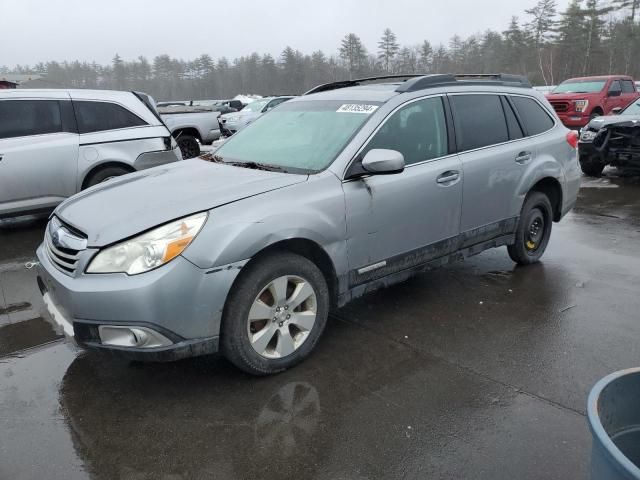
[312, 210]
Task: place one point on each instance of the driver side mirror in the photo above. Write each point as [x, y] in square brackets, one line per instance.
[381, 161]
[614, 93]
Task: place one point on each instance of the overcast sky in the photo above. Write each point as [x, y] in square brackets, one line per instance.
[41, 30]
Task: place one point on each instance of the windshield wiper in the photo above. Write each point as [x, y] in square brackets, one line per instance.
[212, 157]
[257, 166]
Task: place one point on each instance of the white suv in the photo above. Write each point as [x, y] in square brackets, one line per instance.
[54, 143]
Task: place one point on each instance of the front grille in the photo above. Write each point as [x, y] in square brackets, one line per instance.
[560, 106]
[59, 249]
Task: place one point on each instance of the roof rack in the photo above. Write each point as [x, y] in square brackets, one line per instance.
[354, 83]
[430, 81]
[415, 82]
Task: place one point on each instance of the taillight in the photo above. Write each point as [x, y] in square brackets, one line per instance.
[572, 138]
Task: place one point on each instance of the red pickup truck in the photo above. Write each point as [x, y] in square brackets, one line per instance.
[578, 100]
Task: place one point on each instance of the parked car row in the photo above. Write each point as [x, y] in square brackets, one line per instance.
[233, 122]
[346, 189]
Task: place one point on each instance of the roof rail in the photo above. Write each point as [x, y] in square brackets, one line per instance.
[431, 81]
[354, 83]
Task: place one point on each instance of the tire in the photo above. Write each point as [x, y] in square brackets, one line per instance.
[253, 291]
[189, 146]
[536, 216]
[105, 174]
[592, 166]
[595, 114]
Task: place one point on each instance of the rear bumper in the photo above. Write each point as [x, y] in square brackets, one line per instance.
[154, 159]
[179, 301]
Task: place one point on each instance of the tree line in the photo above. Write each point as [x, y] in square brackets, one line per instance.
[590, 37]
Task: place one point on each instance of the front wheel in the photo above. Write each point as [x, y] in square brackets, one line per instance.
[592, 166]
[275, 314]
[534, 229]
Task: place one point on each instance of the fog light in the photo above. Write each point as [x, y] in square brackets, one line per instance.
[136, 337]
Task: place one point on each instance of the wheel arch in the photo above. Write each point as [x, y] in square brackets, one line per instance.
[553, 190]
[192, 131]
[310, 250]
[107, 164]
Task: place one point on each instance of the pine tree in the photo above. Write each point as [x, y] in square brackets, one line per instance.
[353, 53]
[388, 48]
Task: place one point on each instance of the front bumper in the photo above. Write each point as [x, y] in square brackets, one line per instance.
[574, 120]
[179, 301]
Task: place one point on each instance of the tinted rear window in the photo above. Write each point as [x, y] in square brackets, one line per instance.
[536, 120]
[479, 121]
[22, 118]
[99, 116]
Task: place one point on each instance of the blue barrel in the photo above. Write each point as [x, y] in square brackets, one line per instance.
[614, 417]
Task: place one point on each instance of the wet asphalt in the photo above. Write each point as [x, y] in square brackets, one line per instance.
[477, 370]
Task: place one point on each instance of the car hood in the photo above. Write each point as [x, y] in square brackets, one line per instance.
[570, 96]
[123, 207]
[622, 120]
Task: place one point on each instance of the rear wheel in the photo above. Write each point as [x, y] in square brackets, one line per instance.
[189, 146]
[534, 229]
[105, 174]
[275, 314]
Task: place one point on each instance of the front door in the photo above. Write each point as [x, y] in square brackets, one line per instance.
[38, 159]
[398, 221]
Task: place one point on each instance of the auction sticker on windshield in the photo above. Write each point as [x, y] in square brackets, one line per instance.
[357, 108]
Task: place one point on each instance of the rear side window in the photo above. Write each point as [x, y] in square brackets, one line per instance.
[515, 130]
[627, 86]
[479, 120]
[22, 118]
[100, 116]
[536, 120]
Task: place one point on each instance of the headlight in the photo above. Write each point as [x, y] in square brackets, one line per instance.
[587, 135]
[149, 250]
[581, 105]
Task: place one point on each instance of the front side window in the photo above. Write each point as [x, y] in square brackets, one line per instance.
[534, 117]
[480, 121]
[627, 86]
[301, 136]
[615, 87]
[101, 116]
[418, 131]
[23, 118]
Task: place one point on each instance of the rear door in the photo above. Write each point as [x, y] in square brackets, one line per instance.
[495, 153]
[38, 154]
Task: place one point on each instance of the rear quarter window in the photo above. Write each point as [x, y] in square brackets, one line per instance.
[101, 116]
[535, 118]
[479, 121]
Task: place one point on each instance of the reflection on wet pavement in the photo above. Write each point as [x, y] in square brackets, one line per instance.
[477, 370]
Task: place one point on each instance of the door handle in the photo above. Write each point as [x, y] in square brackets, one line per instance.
[523, 157]
[448, 177]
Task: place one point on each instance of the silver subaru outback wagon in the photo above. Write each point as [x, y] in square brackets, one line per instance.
[55, 143]
[352, 187]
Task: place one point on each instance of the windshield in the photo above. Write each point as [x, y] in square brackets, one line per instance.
[298, 136]
[633, 109]
[580, 86]
[257, 106]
